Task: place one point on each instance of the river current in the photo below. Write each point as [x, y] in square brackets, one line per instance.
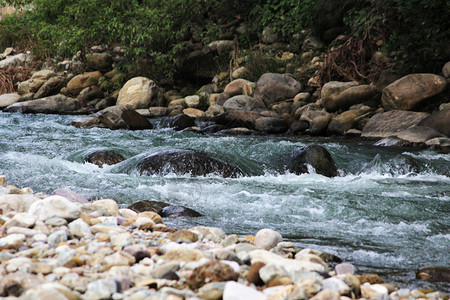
[388, 212]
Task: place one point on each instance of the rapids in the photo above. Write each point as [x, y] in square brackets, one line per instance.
[388, 213]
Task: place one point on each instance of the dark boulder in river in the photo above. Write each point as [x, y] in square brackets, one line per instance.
[185, 162]
[174, 211]
[163, 209]
[104, 157]
[317, 157]
[434, 273]
[178, 122]
[114, 117]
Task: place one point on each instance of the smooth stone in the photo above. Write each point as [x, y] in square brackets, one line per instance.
[439, 121]
[290, 265]
[80, 228]
[186, 255]
[21, 230]
[56, 222]
[69, 194]
[104, 157]
[270, 272]
[55, 206]
[326, 295]
[21, 220]
[237, 291]
[18, 264]
[336, 285]
[82, 81]
[121, 239]
[314, 156]
[12, 241]
[330, 93]
[273, 87]
[211, 291]
[165, 270]
[183, 236]
[178, 122]
[102, 288]
[344, 268]
[213, 271]
[175, 211]
[57, 237]
[213, 234]
[152, 215]
[267, 238]
[56, 104]
[51, 290]
[368, 291]
[16, 203]
[434, 273]
[108, 204]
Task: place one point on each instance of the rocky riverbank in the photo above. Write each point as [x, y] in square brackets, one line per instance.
[65, 247]
[408, 111]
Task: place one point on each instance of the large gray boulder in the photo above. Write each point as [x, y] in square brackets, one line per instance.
[50, 87]
[114, 117]
[315, 156]
[185, 162]
[439, 121]
[139, 92]
[82, 81]
[58, 104]
[351, 96]
[242, 102]
[273, 87]
[410, 90]
[388, 123]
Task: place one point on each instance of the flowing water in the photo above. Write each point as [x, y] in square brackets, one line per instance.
[388, 213]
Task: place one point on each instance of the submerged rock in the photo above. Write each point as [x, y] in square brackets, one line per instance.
[185, 162]
[104, 157]
[178, 122]
[434, 273]
[315, 156]
[178, 211]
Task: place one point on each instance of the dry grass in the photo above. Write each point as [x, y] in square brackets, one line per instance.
[10, 77]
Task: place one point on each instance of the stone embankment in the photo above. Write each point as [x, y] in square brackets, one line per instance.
[62, 246]
[391, 110]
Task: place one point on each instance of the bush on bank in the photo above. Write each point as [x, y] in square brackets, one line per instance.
[154, 33]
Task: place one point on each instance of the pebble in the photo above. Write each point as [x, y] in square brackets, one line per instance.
[102, 252]
[267, 238]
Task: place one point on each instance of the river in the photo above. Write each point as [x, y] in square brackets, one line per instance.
[382, 215]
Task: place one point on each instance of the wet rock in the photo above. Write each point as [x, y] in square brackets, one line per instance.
[343, 122]
[418, 134]
[178, 122]
[102, 288]
[298, 127]
[434, 273]
[317, 157]
[55, 206]
[267, 238]
[273, 87]
[104, 157]
[330, 93]
[439, 121]
[237, 291]
[146, 205]
[185, 162]
[114, 117]
[213, 271]
[49, 105]
[69, 194]
[139, 92]
[271, 125]
[410, 90]
[234, 118]
[158, 111]
[172, 211]
[9, 99]
[388, 123]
